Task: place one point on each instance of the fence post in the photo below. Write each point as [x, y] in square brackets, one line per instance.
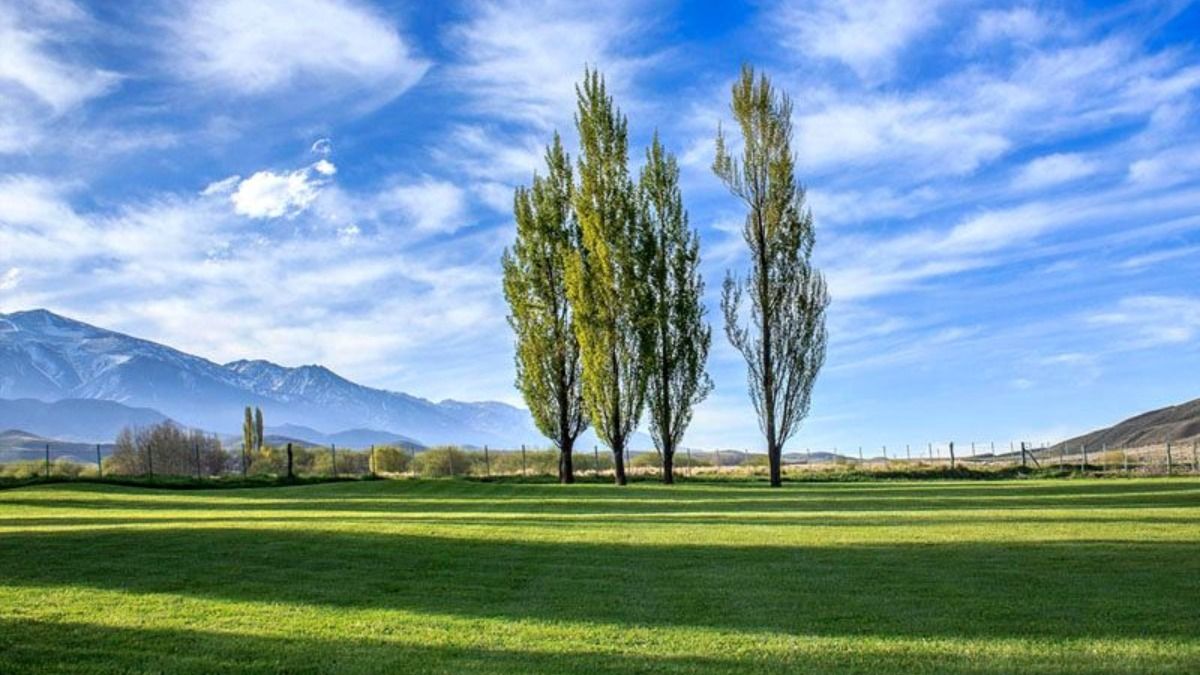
[333, 457]
[47, 460]
[596, 459]
[290, 475]
[196, 452]
[951, 454]
[931, 451]
[412, 460]
[150, 459]
[1024, 465]
[1103, 457]
[1083, 460]
[524, 468]
[718, 460]
[689, 464]
[1194, 465]
[373, 471]
[1170, 463]
[99, 465]
[487, 462]
[972, 448]
[907, 452]
[1125, 459]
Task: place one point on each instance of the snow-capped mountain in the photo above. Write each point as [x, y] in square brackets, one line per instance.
[49, 357]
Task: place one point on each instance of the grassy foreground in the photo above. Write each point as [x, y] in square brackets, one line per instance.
[454, 576]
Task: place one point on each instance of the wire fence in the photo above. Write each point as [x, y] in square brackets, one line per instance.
[208, 460]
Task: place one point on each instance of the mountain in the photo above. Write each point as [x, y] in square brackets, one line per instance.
[18, 445]
[355, 439]
[48, 357]
[81, 420]
[1172, 423]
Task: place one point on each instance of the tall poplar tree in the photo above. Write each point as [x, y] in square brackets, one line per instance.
[784, 341]
[547, 351]
[247, 437]
[603, 276]
[678, 336]
[258, 429]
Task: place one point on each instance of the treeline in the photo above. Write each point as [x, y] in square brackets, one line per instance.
[606, 296]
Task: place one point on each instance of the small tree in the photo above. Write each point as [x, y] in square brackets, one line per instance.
[547, 351]
[784, 343]
[678, 336]
[603, 276]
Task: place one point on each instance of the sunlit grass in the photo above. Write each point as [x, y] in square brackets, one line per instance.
[454, 576]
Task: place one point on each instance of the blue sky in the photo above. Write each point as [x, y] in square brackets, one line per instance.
[1007, 194]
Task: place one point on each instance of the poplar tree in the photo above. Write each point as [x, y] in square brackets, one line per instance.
[784, 341]
[547, 350]
[258, 429]
[247, 437]
[603, 275]
[678, 335]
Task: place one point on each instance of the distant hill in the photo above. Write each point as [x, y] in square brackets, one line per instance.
[17, 445]
[353, 438]
[1172, 423]
[82, 420]
[49, 357]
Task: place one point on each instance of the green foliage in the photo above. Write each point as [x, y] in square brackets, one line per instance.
[604, 282]
[258, 429]
[392, 460]
[547, 350]
[443, 461]
[678, 337]
[784, 342]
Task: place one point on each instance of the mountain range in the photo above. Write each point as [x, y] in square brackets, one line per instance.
[69, 375]
[1172, 423]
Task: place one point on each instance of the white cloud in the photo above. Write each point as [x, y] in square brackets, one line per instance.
[429, 205]
[259, 47]
[38, 80]
[267, 194]
[866, 36]
[1018, 24]
[1053, 170]
[520, 60]
[1153, 320]
[10, 279]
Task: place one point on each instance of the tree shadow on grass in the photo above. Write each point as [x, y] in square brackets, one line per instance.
[1044, 590]
[28, 646]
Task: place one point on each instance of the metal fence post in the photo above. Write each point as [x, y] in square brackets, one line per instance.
[951, 454]
[1170, 463]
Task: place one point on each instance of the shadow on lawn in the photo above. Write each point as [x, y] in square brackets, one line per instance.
[1049, 591]
[34, 646]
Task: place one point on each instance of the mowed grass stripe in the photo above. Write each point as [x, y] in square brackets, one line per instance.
[460, 576]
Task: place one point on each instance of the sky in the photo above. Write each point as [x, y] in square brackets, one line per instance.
[1007, 195]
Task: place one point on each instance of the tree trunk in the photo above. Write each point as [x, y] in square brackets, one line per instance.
[619, 466]
[775, 457]
[566, 465]
[668, 466]
[289, 450]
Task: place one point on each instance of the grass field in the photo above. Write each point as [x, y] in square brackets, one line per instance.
[455, 576]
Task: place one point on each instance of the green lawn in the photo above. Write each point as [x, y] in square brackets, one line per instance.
[454, 576]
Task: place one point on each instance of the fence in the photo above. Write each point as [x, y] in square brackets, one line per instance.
[211, 461]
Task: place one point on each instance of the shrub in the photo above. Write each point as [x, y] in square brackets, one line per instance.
[443, 461]
[392, 460]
